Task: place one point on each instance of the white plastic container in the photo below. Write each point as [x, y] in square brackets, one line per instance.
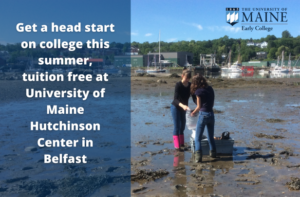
[191, 121]
[223, 146]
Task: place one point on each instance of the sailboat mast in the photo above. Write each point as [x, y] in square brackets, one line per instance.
[282, 60]
[159, 50]
[215, 58]
[229, 58]
[289, 63]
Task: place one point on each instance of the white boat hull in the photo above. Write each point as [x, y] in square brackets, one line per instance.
[281, 71]
[140, 71]
[156, 71]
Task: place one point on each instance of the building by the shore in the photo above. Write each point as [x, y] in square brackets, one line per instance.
[168, 59]
[176, 58]
[128, 60]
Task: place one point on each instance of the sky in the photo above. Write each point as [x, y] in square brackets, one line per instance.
[202, 20]
[175, 19]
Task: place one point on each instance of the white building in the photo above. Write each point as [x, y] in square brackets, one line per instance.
[264, 45]
[258, 44]
[250, 44]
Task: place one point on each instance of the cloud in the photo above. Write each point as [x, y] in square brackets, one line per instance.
[148, 34]
[232, 29]
[225, 28]
[134, 33]
[171, 39]
[198, 26]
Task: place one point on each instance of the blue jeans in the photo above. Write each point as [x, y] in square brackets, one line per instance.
[205, 119]
[178, 119]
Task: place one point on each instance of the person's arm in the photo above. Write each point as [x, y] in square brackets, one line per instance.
[184, 107]
[198, 106]
[176, 102]
[194, 98]
[213, 98]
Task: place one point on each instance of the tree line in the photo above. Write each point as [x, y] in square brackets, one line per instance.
[222, 46]
[219, 46]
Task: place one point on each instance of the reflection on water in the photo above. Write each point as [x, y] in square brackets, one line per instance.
[284, 75]
[247, 75]
[231, 75]
[293, 105]
[241, 101]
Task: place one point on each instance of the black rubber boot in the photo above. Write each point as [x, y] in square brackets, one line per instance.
[182, 148]
[213, 154]
[198, 156]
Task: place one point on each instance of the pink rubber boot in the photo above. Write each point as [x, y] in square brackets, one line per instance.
[176, 141]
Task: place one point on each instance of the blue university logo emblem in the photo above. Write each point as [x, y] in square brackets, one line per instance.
[232, 16]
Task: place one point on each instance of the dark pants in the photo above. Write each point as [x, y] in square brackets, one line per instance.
[179, 120]
[205, 119]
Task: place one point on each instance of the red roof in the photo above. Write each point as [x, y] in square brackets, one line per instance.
[95, 60]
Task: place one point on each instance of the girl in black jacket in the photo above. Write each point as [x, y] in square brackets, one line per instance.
[179, 107]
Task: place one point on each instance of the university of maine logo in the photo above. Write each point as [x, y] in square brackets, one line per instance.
[232, 16]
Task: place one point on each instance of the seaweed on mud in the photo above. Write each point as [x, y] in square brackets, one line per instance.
[274, 120]
[3, 189]
[140, 74]
[16, 179]
[174, 75]
[161, 81]
[198, 177]
[70, 186]
[256, 155]
[294, 166]
[149, 81]
[248, 181]
[260, 145]
[294, 184]
[75, 169]
[148, 175]
[140, 163]
[217, 111]
[39, 188]
[261, 135]
[138, 189]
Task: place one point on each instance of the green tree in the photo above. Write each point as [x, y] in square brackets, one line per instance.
[297, 50]
[272, 53]
[271, 44]
[270, 37]
[286, 34]
[282, 48]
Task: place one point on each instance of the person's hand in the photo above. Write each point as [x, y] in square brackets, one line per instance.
[193, 113]
[185, 107]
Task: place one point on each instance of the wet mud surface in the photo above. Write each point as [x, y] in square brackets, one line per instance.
[261, 115]
[23, 172]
